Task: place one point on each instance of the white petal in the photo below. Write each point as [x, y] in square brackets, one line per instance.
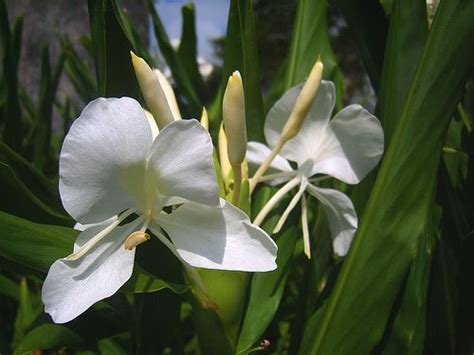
[72, 286]
[219, 238]
[182, 164]
[256, 155]
[82, 227]
[301, 147]
[341, 216]
[352, 146]
[105, 148]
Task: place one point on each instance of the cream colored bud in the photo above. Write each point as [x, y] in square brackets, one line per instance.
[135, 239]
[234, 119]
[169, 94]
[152, 92]
[223, 156]
[303, 102]
[205, 119]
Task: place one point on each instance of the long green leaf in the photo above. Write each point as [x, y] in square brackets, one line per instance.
[178, 69]
[111, 47]
[406, 38]
[398, 210]
[240, 53]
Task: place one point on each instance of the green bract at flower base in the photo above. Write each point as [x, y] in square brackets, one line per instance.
[114, 166]
[346, 147]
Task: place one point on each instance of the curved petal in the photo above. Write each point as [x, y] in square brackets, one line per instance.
[219, 238]
[110, 140]
[352, 146]
[301, 147]
[182, 165]
[82, 227]
[72, 286]
[341, 216]
[256, 155]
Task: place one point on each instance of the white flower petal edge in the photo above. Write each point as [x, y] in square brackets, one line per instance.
[72, 286]
[182, 166]
[341, 216]
[256, 155]
[306, 142]
[109, 136]
[351, 147]
[219, 238]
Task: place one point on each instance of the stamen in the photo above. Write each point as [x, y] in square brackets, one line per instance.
[135, 239]
[290, 207]
[99, 236]
[275, 199]
[304, 224]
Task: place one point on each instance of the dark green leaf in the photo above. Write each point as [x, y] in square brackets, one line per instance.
[111, 47]
[178, 69]
[398, 210]
[145, 282]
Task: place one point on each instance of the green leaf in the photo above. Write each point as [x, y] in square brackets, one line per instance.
[398, 210]
[34, 245]
[13, 125]
[111, 47]
[407, 334]
[28, 193]
[178, 69]
[9, 288]
[266, 292]
[29, 307]
[240, 53]
[43, 130]
[145, 282]
[311, 39]
[368, 24]
[406, 38]
[187, 51]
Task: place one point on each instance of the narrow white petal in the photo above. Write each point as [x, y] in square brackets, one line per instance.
[219, 238]
[304, 226]
[301, 147]
[256, 155]
[277, 196]
[291, 206]
[82, 227]
[341, 216]
[72, 286]
[105, 148]
[182, 166]
[351, 147]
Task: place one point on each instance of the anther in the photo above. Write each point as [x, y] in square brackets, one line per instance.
[135, 239]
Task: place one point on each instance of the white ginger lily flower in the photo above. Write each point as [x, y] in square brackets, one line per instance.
[116, 175]
[346, 147]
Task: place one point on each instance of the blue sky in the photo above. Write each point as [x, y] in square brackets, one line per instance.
[211, 21]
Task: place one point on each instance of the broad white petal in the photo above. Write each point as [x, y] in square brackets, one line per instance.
[182, 164]
[103, 158]
[352, 146]
[341, 216]
[301, 147]
[219, 238]
[256, 155]
[82, 227]
[72, 286]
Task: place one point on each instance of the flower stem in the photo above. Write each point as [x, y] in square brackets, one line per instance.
[237, 184]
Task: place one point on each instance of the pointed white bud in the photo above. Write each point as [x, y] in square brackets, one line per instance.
[152, 92]
[169, 94]
[234, 119]
[303, 102]
[205, 119]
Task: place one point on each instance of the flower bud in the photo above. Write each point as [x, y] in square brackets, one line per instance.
[303, 102]
[234, 119]
[152, 92]
[169, 94]
[205, 119]
[223, 156]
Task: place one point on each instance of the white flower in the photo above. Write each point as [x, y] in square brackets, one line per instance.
[116, 175]
[346, 147]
